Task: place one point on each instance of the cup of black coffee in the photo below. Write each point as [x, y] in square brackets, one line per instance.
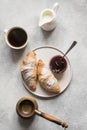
[16, 37]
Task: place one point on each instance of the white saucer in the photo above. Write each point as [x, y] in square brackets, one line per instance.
[46, 53]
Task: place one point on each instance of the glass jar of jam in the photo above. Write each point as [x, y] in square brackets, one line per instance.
[58, 64]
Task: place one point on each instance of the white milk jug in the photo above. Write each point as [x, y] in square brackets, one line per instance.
[48, 18]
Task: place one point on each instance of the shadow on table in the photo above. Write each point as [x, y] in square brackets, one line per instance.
[47, 34]
[17, 54]
[26, 123]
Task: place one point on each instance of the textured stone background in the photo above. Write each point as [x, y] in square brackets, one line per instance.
[70, 106]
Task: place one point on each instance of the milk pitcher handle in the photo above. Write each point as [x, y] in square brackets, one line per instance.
[55, 7]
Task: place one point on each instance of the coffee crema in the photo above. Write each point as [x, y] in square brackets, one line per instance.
[17, 37]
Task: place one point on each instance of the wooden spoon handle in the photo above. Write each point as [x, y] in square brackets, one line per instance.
[51, 118]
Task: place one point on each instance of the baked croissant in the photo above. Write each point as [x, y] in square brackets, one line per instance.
[47, 79]
[29, 70]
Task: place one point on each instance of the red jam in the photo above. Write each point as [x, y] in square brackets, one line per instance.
[58, 64]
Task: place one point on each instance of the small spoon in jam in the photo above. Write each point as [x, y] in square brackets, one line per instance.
[58, 63]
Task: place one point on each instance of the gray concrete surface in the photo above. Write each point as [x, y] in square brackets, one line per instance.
[70, 106]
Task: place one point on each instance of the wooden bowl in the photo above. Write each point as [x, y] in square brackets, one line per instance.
[26, 106]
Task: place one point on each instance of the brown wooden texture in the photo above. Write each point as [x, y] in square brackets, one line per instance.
[51, 118]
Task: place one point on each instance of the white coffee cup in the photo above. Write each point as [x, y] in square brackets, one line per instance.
[16, 37]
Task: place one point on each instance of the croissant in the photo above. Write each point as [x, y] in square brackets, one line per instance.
[47, 79]
[29, 70]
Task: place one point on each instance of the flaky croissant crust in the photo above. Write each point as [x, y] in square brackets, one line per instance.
[29, 70]
[47, 79]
